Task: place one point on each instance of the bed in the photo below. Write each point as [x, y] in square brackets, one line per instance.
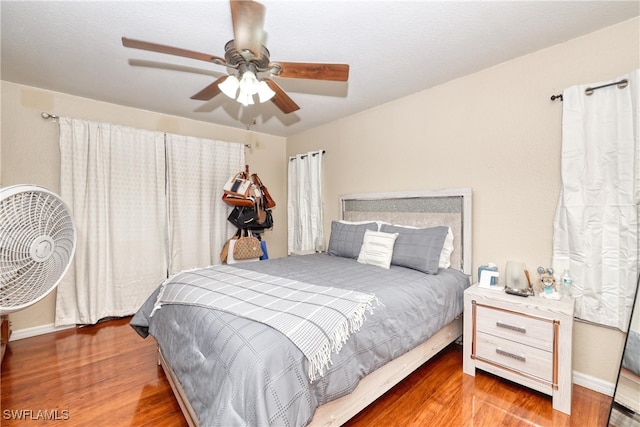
[227, 369]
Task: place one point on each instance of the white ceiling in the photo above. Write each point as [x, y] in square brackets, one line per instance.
[394, 48]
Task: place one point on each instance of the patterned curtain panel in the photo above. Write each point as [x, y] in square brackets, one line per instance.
[304, 210]
[198, 227]
[113, 179]
[145, 204]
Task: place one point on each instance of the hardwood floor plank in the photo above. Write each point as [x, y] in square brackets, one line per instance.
[439, 393]
[107, 375]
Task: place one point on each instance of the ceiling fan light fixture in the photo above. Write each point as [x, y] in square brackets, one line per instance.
[230, 86]
[248, 61]
[246, 88]
[245, 98]
[249, 83]
[264, 92]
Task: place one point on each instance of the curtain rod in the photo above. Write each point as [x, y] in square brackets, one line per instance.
[303, 156]
[48, 116]
[55, 118]
[589, 91]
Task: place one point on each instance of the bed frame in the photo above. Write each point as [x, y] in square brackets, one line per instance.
[420, 209]
[628, 390]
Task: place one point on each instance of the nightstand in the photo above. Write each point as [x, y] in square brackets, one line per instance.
[526, 340]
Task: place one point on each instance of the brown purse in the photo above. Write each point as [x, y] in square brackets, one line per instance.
[269, 203]
[243, 202]
[224, 254]
[247, 247]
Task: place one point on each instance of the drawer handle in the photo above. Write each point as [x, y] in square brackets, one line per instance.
[511, 355]
[511, 327]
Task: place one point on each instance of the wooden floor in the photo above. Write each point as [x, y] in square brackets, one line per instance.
[106, 375]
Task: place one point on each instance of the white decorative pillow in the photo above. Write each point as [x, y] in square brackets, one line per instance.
[447, 249]
[377, 248]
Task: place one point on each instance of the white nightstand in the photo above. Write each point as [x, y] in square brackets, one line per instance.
[523, 339]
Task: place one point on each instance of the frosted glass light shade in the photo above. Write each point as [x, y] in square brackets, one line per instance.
[264, 92]
[243, 90]
[245, 98]
[230, 86]
[249, 83]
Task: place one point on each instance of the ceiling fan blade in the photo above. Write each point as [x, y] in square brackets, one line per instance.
[304, 70]
[154, 47]
[281, 99]
[210, 91]
[248, 23]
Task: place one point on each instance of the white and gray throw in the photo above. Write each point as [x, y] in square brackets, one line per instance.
[317, 319]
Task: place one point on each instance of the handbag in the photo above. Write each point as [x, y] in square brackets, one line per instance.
[243, 217]
[232, 260]
[224, 254]
[263, 245]
[268, 200]
[259, 227]
[260, 209]
[247, 247]
[246, 202]
[238, 186]
[265, 254]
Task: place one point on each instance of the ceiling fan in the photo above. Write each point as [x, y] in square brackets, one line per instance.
[248, 61]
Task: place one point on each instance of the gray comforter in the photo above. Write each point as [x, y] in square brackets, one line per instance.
[237, 371]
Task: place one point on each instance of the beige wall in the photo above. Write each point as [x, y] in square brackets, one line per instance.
[495, 131]
[30, 155]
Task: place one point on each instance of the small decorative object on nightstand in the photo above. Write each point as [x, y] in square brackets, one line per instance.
[547, 287]
[525, 340]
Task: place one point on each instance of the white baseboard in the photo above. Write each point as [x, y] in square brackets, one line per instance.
[37, 330]
[593, 383]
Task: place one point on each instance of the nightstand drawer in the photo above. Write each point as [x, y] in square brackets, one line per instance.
[533, 331]
[515, 356]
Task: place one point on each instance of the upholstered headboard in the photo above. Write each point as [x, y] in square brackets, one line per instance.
[429, 208]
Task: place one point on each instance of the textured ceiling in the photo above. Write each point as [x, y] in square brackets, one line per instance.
[394, 49]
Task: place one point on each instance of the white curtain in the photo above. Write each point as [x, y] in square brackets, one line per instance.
[596, 221]
[113, 179]
[198, 226]
[304, 210]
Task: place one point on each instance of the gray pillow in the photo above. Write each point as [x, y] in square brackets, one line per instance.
[417, 248]
[346, 239]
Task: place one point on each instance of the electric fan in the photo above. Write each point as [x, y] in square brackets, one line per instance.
[37, 244]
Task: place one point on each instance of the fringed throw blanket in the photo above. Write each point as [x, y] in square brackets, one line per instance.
[317, 319]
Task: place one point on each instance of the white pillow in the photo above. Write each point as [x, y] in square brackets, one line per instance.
[344, 221]
[379, 223]
[447, 249]
[377, 248]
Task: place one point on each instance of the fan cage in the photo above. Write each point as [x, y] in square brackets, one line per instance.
[37, 244]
